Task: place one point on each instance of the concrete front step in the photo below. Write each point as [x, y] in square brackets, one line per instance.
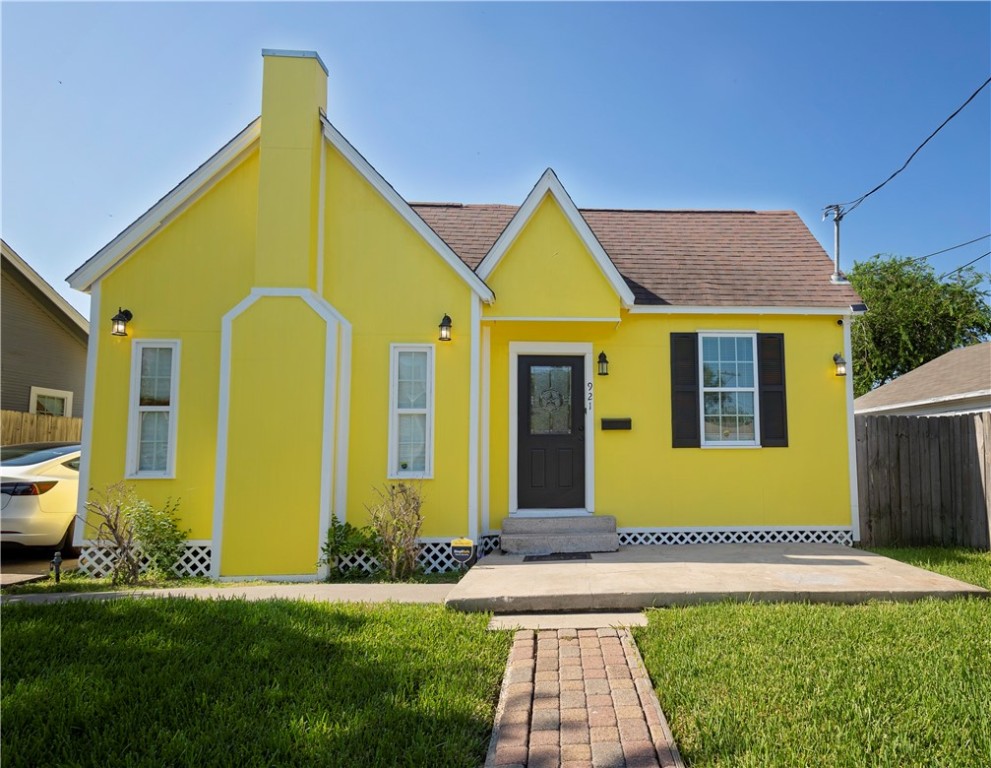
[552, 544]
[557, 535]
[572, 524]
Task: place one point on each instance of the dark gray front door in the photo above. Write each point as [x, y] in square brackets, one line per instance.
[551, 432]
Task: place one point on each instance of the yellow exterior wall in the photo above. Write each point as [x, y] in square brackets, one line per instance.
[394, 289]
[274, 440]
[645, 482]
[178, 285]
[548, 272]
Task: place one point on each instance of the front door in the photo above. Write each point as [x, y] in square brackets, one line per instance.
[551, 432]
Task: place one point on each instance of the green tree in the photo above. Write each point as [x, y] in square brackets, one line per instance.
[913, 317]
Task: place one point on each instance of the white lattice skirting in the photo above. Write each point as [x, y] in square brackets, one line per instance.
[754, 536]
[97, 561]
[434, 557]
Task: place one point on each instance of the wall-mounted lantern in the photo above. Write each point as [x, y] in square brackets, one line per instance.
[118, 323]
[603, 364]
[445, 328]
[840, 364]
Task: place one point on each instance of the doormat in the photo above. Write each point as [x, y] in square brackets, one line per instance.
[557, 556]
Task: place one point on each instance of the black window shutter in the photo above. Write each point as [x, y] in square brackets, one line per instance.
[684, 390]
[771, 380]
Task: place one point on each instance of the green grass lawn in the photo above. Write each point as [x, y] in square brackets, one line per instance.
[969, 565]
[230, 683]
[73, 581]
[882, 684]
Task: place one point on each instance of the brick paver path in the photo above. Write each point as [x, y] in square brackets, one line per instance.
[579, 699]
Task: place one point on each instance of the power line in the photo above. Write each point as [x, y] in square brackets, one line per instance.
[960, 269]
[951, 248]
[839, 210]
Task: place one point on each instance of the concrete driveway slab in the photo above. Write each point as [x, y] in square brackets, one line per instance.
[638, 577]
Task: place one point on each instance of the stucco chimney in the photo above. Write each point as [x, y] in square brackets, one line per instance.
[294, 90]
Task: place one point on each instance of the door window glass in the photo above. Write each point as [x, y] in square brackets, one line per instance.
[550, 400]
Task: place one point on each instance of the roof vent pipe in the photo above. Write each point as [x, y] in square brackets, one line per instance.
[837, 277]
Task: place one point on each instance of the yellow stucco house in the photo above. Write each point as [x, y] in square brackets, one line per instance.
[297, 334]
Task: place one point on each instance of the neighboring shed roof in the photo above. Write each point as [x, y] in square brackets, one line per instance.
[687, 258]
[44, 292]
[960, 374]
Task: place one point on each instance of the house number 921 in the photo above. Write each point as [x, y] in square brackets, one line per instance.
[588, 399]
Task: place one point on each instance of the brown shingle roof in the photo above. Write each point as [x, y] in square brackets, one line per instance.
[958, 372]
[687, 258]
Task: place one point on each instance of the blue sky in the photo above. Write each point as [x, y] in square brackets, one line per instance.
[106, 106]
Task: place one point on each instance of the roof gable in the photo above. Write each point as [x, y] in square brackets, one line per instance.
[184, 194]
[549, 185]
[404, 209]
[42, 286]
[958, 374]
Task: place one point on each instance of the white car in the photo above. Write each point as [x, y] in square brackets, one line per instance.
[39, 486]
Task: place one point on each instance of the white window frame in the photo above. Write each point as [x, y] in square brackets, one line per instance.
[755, 443]
[135, 410]
[394, 471]
[46, 392]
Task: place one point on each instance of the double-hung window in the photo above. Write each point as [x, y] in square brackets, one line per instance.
[729, 389]
[411, 411]
[153, 409]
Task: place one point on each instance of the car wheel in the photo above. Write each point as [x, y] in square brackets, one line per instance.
[65, 545]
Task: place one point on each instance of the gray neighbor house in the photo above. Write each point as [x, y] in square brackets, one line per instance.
[42, 344]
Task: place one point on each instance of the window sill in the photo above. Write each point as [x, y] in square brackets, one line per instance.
[150, 476]
[733, 446]
[409, 476]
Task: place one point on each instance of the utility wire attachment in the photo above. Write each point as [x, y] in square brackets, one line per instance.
[840, 210]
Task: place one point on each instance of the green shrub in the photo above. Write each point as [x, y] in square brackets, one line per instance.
[131, 528]
[344, 540]
[159, 536]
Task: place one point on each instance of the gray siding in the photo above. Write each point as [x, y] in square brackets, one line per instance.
[36, 348]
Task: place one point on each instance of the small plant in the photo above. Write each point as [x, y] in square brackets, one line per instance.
[110, 508]
[344, 540]
[134, 528]
[396, 519]
[159, 536]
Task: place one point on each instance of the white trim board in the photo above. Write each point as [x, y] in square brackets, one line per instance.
[89, 407]
[486, 405]
[851, 435]
[373, 177]
[549, 184]
[474, 396]
[564, 348]
[522, 319]
[332, 406]
[701, 309]
[190, 189]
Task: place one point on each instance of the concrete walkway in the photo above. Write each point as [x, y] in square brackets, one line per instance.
[575, 698]
[638, 577]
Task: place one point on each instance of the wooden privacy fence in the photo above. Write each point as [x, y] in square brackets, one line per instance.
[17, 427]
[924, 480]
